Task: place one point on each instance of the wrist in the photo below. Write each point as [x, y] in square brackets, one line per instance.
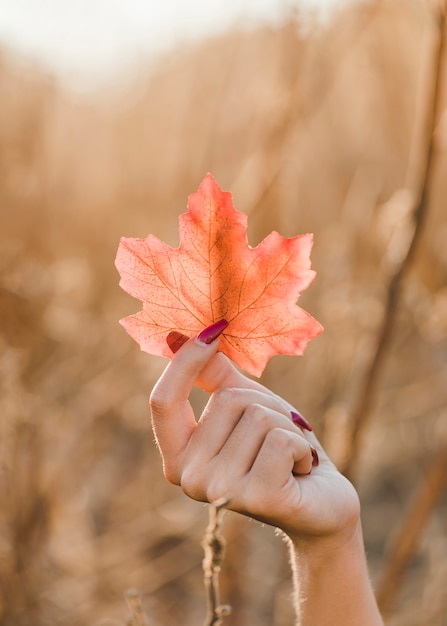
[329, 527]
[331, 580]
[333, 545]
[314, 556]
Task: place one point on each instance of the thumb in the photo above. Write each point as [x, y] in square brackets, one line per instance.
[173, 419]
[179, 377]
[197, 363]
[219, 371]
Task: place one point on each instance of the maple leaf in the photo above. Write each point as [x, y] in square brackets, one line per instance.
[214, 274]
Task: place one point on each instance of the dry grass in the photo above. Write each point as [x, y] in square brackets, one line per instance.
[312, 132]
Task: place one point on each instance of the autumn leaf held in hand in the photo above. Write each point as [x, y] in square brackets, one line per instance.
[215, 274]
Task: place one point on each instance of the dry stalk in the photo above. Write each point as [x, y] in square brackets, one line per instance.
[365, 404]
[407, 540]
[214, 547]
[295, 113]
[138, 616]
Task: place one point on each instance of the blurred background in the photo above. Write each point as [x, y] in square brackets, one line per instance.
[110, 115]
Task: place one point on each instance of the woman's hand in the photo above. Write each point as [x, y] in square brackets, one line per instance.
[246, 447]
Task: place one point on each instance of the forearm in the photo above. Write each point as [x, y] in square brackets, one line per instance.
[246, 446]
[332, 586]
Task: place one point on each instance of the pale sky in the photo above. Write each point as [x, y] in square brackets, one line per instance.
[96, 37]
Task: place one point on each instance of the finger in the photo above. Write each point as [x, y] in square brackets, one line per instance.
[270, 481]
[172, 417]
[220, 372]
[237, 414]
[193, 364]
[248, 437]
[210, 476]
[283, 453]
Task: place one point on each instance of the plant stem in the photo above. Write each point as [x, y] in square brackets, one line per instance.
[365, 404]
[138, 616]
[411, 530]
[214, 548]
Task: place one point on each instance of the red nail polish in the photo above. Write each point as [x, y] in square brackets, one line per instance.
[300, 421]
[315, 459]
[175, 340]
[209, 334]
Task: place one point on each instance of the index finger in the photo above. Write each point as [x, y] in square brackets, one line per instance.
[172, 416]
[197, 362]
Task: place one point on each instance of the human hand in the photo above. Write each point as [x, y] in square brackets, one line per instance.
[246, 447]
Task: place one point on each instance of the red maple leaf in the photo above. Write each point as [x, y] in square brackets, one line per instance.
[214, 274]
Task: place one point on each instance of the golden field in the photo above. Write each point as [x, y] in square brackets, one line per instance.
[314, 128]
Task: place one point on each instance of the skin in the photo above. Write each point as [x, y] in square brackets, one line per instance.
[245, 447]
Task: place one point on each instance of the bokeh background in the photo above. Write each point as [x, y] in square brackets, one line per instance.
[311, 120]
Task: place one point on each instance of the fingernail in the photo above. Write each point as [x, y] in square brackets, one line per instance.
[175, 340]
[315, 459]
[209, 334]
[300, 421]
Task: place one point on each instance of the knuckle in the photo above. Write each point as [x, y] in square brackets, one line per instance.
[199, 486]
[277, 438]
[224, 396]
[191, 484]
[171, 474]
[258, 414]
[158, 403]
